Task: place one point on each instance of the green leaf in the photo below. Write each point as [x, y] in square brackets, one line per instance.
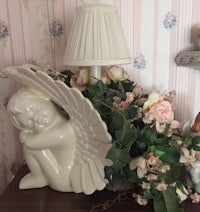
[139, 147]
[127, 135]
[117, 121]
[93, 90]
[196, 143]
[172, 175]
[101, 85]
[150, 134]
[166, 201]
[131, 112]
[125, 157]
[111, 93]
[167, 154]
[114, 178]
[147, 195]
[132, 176]
[119, 156]
[156, 152]
[96, 90]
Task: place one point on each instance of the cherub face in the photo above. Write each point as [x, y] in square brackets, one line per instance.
[31, 112]
[35, 115]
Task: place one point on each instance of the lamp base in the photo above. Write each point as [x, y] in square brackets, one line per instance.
[95, 74]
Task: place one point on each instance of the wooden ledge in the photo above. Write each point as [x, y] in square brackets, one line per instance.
[48, 200]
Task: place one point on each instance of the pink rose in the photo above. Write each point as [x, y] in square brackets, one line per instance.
[137, 91]
[141, 101]
[105, 78]
[195, 197]
[80, 79]
[151, 177]
[161, 186]
[160, 111]
[140, 200]
[124, 105]
[129, 97]
[152, 160]
[163, 111]
[117, 99]
[175, 124]
[160, 127]
[165, 168]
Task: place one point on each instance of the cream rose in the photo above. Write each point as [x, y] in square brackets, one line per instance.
[116, 73]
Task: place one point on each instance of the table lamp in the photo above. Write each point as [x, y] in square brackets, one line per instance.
[96, 39]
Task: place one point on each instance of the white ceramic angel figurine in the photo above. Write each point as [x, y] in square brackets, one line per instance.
[48, 140]
[193, 128]
[65, 154]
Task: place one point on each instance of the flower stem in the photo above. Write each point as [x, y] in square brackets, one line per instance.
[111, 108]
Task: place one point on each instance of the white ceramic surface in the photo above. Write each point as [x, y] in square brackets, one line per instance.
[65, 154]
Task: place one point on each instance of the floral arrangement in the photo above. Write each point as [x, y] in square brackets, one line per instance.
[149, 152]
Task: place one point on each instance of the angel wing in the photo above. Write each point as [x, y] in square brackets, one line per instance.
[92, 138]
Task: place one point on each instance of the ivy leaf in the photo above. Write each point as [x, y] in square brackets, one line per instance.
[196, 143]
[117, 121]
[93, 90]
[139, 147]
[172, 175]
[131, 112]
[132, 176]
[167, 154]
[120, 157]
[96, 90]
[149, 134]
[127, 135]
[166, 201]
[111, 93]
[114, 178]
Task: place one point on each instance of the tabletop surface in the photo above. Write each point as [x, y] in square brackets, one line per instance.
[48, 200]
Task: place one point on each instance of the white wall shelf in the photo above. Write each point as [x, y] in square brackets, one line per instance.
[189, 59]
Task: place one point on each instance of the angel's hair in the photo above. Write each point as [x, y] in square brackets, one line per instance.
[16, 106]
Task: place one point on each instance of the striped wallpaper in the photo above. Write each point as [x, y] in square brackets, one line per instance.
[156, 31]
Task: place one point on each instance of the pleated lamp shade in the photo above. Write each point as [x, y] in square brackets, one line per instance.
[96, 38]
